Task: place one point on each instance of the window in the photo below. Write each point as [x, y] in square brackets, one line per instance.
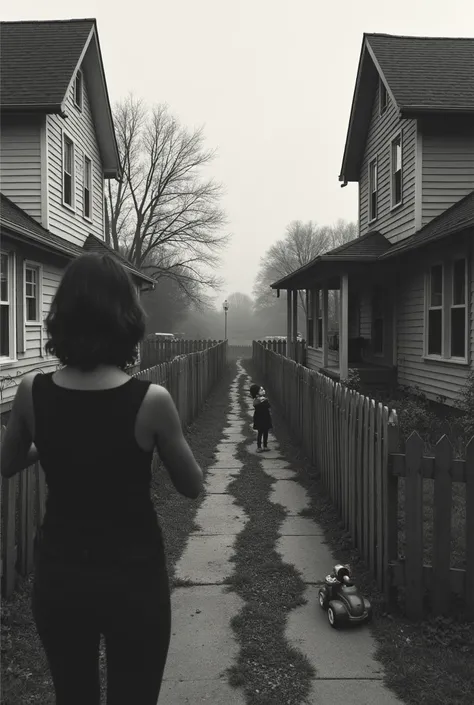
[68, 172]
[372, 190]
[396, 162]
[458, 318]
[32, 295]
[78, 90]
[435, 310]
[383, 97]
[87, 196]
[7, 311]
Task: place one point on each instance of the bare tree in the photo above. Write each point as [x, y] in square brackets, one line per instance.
[163, 214]
[302, 243]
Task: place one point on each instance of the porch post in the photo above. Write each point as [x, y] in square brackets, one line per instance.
[315, 314]
[325, 325]
[288, 323]
[344, 329]
[295, 324]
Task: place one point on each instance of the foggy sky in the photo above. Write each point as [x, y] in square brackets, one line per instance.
[272, 83]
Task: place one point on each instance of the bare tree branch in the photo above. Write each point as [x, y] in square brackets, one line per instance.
[163, 214]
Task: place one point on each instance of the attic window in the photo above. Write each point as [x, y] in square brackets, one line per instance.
[383, 96]
[78, 86]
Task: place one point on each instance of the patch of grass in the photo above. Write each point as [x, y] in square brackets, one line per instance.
[426, 663]
[25, 675]
[268, 668]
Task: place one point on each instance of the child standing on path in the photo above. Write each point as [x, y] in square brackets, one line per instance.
[262, 420]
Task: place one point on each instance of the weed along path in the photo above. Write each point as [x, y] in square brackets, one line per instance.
[289, 654]
[247, 627]
[202, 645]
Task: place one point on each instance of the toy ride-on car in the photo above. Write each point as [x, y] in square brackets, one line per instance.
[342, 600]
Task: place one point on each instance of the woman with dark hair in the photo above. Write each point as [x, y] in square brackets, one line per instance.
[100, 567]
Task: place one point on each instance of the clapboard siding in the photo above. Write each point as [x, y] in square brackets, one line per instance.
[20, 162]
[448, 166]
[398, 223]
[34, 357]
[439, 381]
[79, 126]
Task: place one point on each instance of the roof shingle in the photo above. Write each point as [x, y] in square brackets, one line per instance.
[38, 60]
[427, 73]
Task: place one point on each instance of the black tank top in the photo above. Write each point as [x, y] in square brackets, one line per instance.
[98, 477]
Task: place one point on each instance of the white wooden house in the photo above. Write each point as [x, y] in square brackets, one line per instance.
[407, 282]
[57, 145]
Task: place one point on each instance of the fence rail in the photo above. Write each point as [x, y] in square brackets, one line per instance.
[154, 352]
[278, 345]
[353, 442]
[188, 378]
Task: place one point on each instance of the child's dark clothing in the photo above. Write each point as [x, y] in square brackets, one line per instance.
[262, 421]
[262, 435]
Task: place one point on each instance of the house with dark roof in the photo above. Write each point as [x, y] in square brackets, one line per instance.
[57, 146]
[406, 284]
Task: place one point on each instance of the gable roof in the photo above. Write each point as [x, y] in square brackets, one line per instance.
[18, 222]
[362, 249]
[432, 74]
[422, 75]
[39, 61]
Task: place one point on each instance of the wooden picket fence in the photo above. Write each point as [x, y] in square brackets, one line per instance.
[353, 442]
[278, 345]
[154, 352]
[188, 378]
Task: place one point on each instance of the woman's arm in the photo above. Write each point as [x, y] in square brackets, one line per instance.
[171, 444]
[17, 449]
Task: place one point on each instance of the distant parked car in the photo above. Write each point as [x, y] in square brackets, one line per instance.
[161, 336]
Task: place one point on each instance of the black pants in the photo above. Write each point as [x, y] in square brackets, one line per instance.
[126, 600]
[262, 435]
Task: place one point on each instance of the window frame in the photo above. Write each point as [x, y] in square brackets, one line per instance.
[465, 306]
[87, 159]
[371, 219]
[446, 308]
[72, 205]
[397, 204]
[35, 266]
[11, 303]
[382, 89]
[79, 105]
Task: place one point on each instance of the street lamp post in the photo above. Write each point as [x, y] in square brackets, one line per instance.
[225, 306]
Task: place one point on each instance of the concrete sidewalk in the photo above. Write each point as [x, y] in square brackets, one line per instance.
[203, 644]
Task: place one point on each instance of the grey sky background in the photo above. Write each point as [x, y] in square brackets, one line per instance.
[272, 83]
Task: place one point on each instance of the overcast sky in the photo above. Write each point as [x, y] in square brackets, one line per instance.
[272, 83]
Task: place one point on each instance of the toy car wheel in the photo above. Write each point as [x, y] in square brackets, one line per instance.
[323, 599]
[335, 618]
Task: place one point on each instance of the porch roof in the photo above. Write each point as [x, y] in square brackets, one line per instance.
[16, 221]
[365, 249]
[455, 220]
[374, 247]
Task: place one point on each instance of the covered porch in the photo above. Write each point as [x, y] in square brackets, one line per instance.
[349, 310]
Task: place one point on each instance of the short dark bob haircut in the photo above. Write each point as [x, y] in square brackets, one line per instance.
[96, 317]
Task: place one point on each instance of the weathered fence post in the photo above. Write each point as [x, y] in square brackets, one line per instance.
[442, 526]
[414, 526]
[470, 528]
